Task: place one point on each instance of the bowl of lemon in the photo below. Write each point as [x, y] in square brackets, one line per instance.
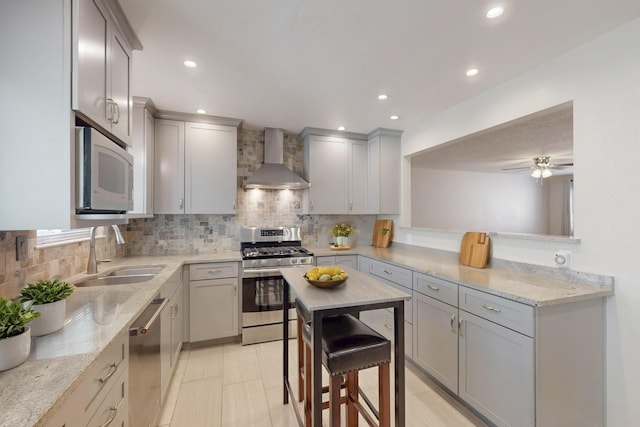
[325, 277]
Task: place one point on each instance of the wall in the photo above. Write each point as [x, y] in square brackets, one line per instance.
[459, 200]
[602, 78]
[195, 234]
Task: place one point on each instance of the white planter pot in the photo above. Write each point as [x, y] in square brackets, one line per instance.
[15, 350]
[342, 241]
[51, 318]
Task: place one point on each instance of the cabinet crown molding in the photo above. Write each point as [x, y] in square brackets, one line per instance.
[385, 132]
[330, 132]
[198, 118]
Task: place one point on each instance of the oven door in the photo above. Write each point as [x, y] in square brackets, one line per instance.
[262, 295]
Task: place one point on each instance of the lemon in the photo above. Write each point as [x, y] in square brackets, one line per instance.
[324, 278]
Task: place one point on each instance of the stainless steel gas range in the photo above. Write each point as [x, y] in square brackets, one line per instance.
[264, 252]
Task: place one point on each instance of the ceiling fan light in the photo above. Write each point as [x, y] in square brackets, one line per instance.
[537, 173]
[546, 173]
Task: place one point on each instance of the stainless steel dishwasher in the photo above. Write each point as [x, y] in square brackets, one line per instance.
[144, 365]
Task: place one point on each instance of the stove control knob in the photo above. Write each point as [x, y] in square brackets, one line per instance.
[264, 262]
[294, 260]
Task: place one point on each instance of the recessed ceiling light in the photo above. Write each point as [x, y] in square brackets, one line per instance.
[189, 63]
[472, 72]
[201, 111]
[341, 128]
[494, 12]
[394, 117]
[382, 97]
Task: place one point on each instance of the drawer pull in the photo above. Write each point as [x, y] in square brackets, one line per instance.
[433, 288]
[488, 307]
[213, 271]
[114, 411]
[387, 271]
[453, 321]
[114, 368]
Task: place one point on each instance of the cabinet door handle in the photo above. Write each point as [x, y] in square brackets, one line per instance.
[488, 307]
[453, 321]
[235, 289]
[113, 368]
[389, 327]
[433, 288]
[234, 204]
[114, 414]
[174, 314]
[117, 109]
[460, 327]
[311, 205]
[110, 110]
[350, 206]
[181, 202]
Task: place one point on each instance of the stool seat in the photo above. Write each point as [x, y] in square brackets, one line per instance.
[350, 345]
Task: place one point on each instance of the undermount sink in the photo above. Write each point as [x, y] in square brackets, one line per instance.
[123, 276]
[134, 271]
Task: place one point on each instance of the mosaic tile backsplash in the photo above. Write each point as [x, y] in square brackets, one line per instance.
[197, 234]
[56, 261]
[186, 234]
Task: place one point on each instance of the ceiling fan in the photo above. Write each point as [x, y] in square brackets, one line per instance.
[542, 167]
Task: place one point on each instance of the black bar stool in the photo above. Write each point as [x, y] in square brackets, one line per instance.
[348, 346]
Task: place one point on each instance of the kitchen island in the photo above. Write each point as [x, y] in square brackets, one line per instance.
[359, 293]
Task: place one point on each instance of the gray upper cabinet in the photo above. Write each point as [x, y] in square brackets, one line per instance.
[43, 80]
[337, 169]
[384, 172]
[352, 173]
[195, 168]
[102, 69]
[142, 149]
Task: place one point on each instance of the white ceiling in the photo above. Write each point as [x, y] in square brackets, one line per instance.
[295, 63]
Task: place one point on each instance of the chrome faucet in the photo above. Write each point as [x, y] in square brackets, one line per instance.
[92, 264]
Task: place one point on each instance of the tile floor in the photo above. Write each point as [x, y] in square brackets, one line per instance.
[232, 385]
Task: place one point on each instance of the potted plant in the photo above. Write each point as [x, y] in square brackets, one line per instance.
[341, 232]
[49, 299]
[15, 336]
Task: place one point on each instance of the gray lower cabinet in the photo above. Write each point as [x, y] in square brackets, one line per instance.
[496, 371]
[382, 320]
[333, 260]
[171, 330]
[435, 339]
[213, 301]
[517, 365]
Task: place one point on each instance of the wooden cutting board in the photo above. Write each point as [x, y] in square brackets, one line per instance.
[380, 239]
[474, 249]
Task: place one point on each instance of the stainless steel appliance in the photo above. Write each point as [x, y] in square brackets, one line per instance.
[144, 366]
[265, 251]
[104, 175]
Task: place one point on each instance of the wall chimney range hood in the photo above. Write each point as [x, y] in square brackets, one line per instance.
[273, 174]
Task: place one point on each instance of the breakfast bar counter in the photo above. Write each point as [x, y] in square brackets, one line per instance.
[359, 292]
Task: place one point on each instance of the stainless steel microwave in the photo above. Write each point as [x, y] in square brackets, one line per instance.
[104, 174]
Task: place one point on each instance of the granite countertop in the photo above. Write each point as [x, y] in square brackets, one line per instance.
[95, 317]
[537, 286]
